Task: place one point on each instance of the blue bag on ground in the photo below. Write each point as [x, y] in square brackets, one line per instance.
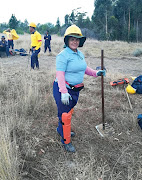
[140, 120]
[22, 52]
[137, 84]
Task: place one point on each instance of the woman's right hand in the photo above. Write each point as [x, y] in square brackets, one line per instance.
[65, 98]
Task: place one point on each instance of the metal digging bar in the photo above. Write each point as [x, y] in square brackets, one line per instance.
[104, 129]
[102, 85]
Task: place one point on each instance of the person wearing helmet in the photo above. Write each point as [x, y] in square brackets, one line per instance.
[9, 37]
[4, 46]
[36, 42]
[70, 69]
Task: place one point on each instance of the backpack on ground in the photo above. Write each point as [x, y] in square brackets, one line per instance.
[140, 120]
[21, 52]
[137, 84]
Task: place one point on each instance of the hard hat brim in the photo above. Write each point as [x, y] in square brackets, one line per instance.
[82, 39]
[130, 89]
[33, 25]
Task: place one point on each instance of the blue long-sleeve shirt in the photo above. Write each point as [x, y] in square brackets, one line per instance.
[47, 39]
[3, 43]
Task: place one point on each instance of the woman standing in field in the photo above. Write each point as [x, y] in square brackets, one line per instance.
[70, 70]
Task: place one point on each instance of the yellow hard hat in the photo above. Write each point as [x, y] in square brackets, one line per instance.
[74, 31]
[133, 77]
[32, 24]
[130, 89]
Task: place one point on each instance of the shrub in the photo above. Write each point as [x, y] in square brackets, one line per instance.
[137, 52]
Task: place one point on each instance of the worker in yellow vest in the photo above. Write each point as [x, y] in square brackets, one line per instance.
[36, 42]
[9, 37]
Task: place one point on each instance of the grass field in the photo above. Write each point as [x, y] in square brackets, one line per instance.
[30, 148]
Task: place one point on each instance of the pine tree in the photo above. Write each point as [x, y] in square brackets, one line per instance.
[67, 20]
[102, 13]
[13, 23]
[137, 15]
[58, 26]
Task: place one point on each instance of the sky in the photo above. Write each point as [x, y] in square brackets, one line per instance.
[43, 11]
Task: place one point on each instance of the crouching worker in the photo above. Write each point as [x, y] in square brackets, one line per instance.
[70, 70]
[36, 42]
[4, 46]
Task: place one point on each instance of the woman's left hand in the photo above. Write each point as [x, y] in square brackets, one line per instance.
[101, 72]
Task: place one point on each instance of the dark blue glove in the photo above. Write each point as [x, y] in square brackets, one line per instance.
[101, 72]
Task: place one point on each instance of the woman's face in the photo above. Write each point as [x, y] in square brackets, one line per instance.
[73, 43]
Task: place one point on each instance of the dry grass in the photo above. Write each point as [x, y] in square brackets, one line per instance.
[30, 147]
[114, 49]
[56, 43]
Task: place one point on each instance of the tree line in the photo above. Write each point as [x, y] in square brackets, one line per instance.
[118, 19]
[111, 20]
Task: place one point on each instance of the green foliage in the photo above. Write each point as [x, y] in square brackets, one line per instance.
[3, 26]
[101, 16]
[111, 20]
[22, 27]
[132, 36]
[113, 26]
[118, 19]
[19, 31]
[137, 52]
[67, 20]
[58, 26]
[42, 28]
[13, 23]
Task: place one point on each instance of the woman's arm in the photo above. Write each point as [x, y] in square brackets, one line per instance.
[91, 72]
[60, 75]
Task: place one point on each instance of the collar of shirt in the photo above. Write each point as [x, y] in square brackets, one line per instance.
[33, 32]
[72, 52]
